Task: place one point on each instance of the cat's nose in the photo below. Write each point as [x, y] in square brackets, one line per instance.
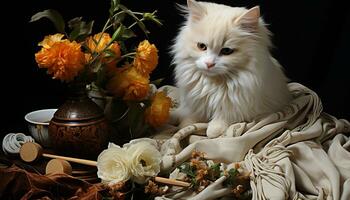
[210, 64]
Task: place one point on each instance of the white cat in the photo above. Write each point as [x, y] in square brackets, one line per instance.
[224, 69]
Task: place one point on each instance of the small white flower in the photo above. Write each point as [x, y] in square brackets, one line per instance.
[210, 163]
[144, 159]
[176, 174]
[113, 165]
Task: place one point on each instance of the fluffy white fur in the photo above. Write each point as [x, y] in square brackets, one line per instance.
[240, 86]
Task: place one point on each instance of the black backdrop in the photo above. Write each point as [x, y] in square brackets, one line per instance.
[311, 38]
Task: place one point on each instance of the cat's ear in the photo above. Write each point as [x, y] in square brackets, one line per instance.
[250, 19]
[196, 10]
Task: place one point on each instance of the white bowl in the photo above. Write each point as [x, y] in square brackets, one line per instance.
[38, 123]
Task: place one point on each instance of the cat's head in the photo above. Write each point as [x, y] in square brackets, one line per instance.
[220, 40]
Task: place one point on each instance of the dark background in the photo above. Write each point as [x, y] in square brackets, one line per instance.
[311, 38]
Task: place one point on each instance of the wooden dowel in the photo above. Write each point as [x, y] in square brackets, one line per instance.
[29, 152]
[75, 160]
[94, 163]
[171, 182]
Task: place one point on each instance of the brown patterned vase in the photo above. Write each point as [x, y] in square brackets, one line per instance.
[79, 128]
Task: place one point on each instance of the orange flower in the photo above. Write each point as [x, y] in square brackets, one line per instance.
[50, 40]
[111, 62]
[129, 84]
[97, 43]
[146, 58]
[158, 113]
[62, 58]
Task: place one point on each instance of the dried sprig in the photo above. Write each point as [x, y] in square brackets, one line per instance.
[202, 172]
[154, 189]
[118, 191]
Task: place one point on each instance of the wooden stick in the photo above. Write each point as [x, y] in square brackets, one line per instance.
[171, 182]
[75, 160]
[158, 179]
[31, 151]
[166, 181]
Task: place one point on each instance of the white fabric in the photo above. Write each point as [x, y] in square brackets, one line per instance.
[297, 153]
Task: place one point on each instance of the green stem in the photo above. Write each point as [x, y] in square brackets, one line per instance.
[106, 27]
[99, 39]
[109, 26]
[128, 54]
[118, 13]
[133, 24]
[106, 24]
[137, 13]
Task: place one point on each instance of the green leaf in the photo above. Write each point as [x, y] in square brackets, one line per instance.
[127, 34]
[216, 167]
[122, 46]
[122, 33]
[108, 53]
[53, 15]
[118, 19]
[74, 22]
[138, 21]
[80, 29]
[187, 169]
[233, 172]
[152, 17]
[157, 82]
[214, 171]
[114, 6]
[231, 178]
[117, 33]
[101, 77]
[136, 119]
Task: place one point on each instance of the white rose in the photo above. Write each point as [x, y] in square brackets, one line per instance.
[113, 165]
[144, 160]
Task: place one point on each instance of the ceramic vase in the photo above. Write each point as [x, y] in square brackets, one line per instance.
[79, 127]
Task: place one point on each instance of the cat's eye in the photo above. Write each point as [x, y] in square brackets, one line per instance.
[201, 46]
[226, 51]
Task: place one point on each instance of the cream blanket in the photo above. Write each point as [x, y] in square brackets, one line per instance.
[297, 153]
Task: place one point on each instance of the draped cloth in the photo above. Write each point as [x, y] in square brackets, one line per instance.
[299, 152]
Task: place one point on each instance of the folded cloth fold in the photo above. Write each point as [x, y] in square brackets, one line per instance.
[299, 152]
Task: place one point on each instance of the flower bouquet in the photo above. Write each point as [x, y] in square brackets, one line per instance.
[115, 63]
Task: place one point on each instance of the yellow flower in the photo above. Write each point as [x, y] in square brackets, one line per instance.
[62, 58]
[51, 40]
[129, 84]
[158, 113]
[146, 58]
